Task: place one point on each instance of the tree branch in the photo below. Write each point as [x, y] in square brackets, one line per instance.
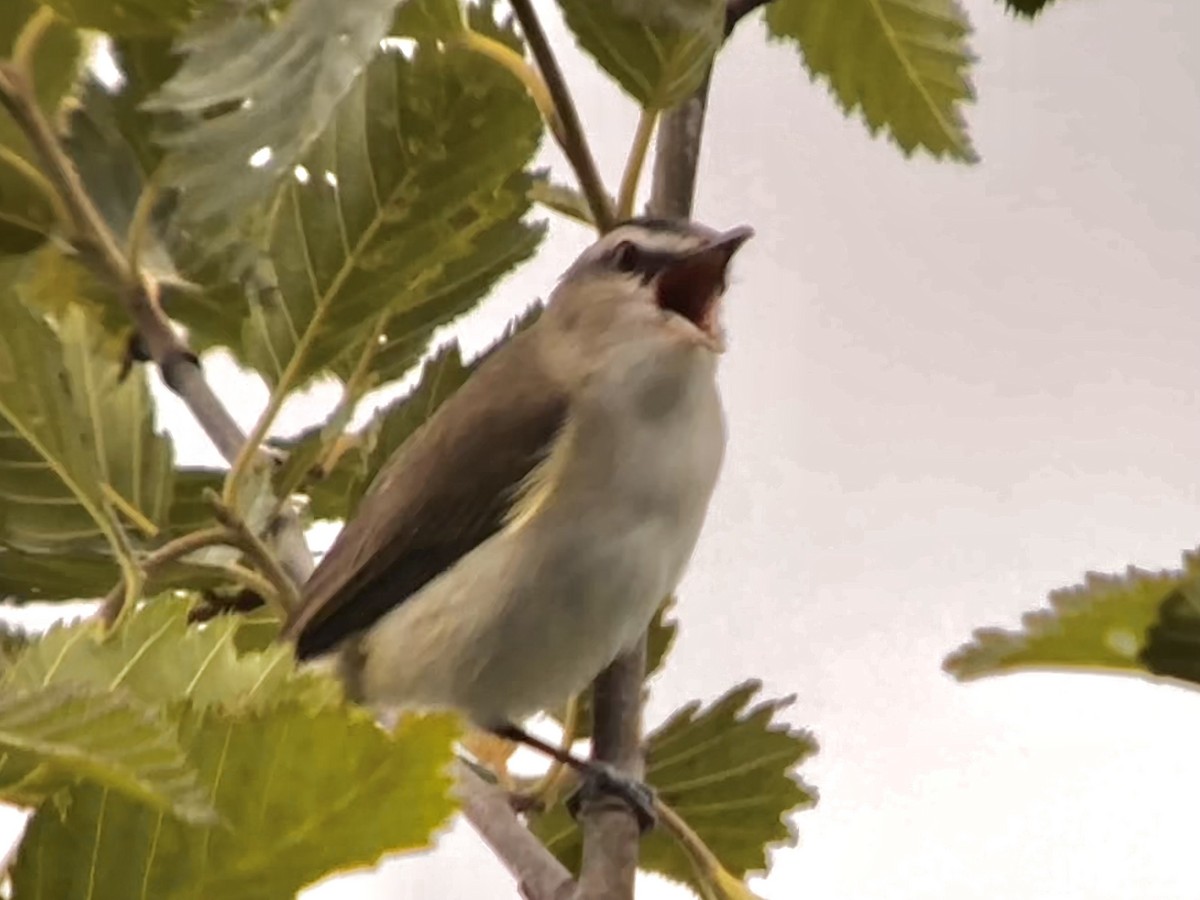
[610, 833]
[568, 129]
[538, 873]
[610, 828]
[180, 367]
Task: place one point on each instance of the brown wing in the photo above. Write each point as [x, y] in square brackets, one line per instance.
[445, 491]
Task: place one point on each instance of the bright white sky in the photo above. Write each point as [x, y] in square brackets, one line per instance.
[949, 391]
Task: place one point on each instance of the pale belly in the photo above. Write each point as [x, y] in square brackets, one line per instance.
[533, 614]
[507, 633]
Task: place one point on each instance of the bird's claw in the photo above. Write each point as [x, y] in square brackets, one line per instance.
[603, 781]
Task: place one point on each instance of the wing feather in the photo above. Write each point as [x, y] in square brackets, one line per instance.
[447, 489]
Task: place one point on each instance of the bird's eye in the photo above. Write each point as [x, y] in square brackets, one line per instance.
[627, 256]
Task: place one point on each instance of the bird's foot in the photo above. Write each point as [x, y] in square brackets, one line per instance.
[601, 781]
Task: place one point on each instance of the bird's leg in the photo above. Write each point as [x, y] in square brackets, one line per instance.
[598, 778]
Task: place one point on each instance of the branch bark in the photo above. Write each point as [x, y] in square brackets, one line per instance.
[567, 129]
[538, 873]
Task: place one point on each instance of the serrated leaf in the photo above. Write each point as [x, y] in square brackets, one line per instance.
[26, 215]
[563, 199]
[113, 174]
[270, 85]
[657, 52]
[130, 18]
[51, 474]
[728, 772]
[303, 785]
[159, 658]
[412, 205]
[902, 62]
[1172, 644]
[1102, 623]
[300, 794]
[53, 737]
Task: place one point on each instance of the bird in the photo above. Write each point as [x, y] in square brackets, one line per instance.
[525, 535]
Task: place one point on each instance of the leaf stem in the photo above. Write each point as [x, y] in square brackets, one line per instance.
[131, 512]
[636, 161]
[39, 182]
[706, 863]
[139, 225]
[517, 65]
[573, 141]
[26, 45]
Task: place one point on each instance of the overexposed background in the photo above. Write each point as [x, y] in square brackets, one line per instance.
[949, 390]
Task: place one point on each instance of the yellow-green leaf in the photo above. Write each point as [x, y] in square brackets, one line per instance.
[303, 785]
[138, 18]
[56, 736]
[26, 214]
[728, 771]
[300, 794]
[902, 62]
[1101, 624]
[657, 52]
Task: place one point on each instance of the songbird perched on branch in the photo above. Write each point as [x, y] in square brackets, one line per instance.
[525, 535]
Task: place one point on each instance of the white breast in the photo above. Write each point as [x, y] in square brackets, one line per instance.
[532, 615]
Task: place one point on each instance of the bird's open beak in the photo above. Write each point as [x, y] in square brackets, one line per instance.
[691, 285]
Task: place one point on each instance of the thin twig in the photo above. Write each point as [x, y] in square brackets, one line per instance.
[245, 539]
[540, 875]
[179, 366]
[110, 609]
[633, 165]
[574, 142]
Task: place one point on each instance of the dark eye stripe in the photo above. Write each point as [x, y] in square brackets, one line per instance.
[639, 260]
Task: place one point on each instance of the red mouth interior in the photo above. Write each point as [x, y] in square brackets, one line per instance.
[691, 288]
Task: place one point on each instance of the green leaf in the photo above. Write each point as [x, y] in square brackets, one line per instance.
[903, 62]
[113, 173]
[300, 794]
[157, 657]
[53, 423]
[303, 785]
[1101, 624]
[657, 52]
[26, 215]
[53, 737]
[563, 199]
[247, 83]
[412, 206]
[134, 18]
[725, 769]
[1172, 645]
[429, 20]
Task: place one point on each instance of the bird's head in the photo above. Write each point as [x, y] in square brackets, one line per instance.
[648, 284]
